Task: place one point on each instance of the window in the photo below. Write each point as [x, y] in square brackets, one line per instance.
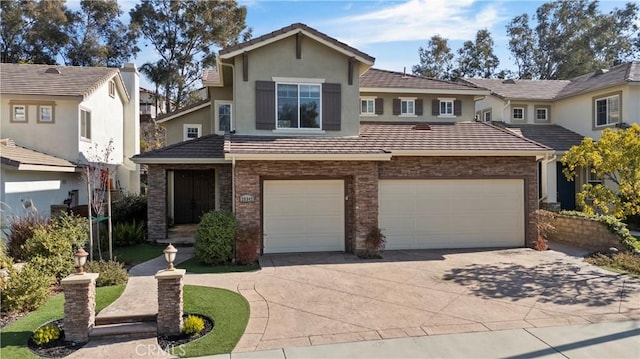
[518, 113]
[446, 107]
[487, 116]
[607, 110]
[298, 105]
[367, 106]
[224, 116]
[541, 113]
[407, 106]
[112, 88]
[592, 178]
[19, 113]
[45, 114]
[192, 131]
[85, 124]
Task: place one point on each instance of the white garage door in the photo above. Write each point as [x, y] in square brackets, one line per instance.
[452, 213]
[303, 216]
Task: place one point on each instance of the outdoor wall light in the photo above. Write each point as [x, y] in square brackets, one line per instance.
[80, 258]
[170, 255]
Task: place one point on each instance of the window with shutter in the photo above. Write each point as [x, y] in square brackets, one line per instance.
[379, 106]
[331, 107]
[396, 106]
[265, 105]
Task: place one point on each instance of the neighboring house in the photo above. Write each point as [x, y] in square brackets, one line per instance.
[559, 113]
[288, 141]
[55, 118]
[151, 103]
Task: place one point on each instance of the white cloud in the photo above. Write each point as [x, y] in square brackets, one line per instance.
[416, 20]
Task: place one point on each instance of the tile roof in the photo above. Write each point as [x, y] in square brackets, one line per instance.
[601, 79]
[553, 136]
[14, 155]
[295, 28]
[391, 79]
[302, 145]
[209, 146]
[544, 90]
[187, 109]
[28, 79]
[211, 75]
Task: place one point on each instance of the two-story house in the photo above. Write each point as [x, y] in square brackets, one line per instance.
[56, 118]
[559, 113]
[303, 140]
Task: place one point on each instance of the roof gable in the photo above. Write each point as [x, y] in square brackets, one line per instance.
[601, 79]
[543, 90]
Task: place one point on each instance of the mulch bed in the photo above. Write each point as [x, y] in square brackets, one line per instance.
[173, 341]
[56, 349]
[8, 318]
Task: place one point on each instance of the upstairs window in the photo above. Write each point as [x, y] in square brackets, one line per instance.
[367, 106]
[19, 113]
[487, 116]
[45, 114]
[224, 116]
[541, 114]
[446, 106]
[85, 124]
[518, 113]
[192, 131]
[592, 178]
[298, 105]
[607, 110]
[407, 107]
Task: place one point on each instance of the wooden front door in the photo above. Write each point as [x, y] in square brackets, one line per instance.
[194, 195]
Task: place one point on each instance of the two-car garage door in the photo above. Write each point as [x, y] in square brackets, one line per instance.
[452, 213]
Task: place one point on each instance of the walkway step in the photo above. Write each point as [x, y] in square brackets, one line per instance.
[137, 330]
[116, 319]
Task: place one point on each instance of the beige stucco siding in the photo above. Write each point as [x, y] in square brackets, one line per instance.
[278, 59]
[468, 112]
[220, 94]
[175, 127]
[493, 104]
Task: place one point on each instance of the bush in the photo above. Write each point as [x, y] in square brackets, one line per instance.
[19, 230]
[375, 241]
[46, 334]
[111, 272]
[128, 234]
[215, 236]
[192, 325]
[247, 242]
[129, 208]
[24, 289]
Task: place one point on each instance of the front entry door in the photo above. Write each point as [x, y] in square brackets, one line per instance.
[566, 190]
[194, 195]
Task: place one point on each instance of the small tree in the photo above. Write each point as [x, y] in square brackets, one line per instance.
[616, 159]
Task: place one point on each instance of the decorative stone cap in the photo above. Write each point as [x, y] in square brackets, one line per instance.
[80, 278]
[170, 274]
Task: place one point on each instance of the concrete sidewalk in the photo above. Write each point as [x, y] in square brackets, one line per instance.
[600, 340]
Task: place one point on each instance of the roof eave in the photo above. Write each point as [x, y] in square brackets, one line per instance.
[425, 91]
[171, 160]
[309, 156]
[182, 113]
[475, 153]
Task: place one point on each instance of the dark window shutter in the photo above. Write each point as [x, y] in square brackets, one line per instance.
[331, 107]
[265, 105]
[457, 108]
[418, 107]
[396, 106]
[435, 107]
[379, 103]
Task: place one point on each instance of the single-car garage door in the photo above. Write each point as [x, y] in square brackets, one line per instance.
[452, 213]
[303, 216]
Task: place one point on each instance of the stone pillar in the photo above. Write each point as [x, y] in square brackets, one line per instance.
[170, 284]
[79, 306]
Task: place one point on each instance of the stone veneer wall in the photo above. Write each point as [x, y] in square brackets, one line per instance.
[584, 232]
[157, 193]
[471, 167]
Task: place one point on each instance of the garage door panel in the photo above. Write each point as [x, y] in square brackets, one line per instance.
[452, 213]
[303, 216]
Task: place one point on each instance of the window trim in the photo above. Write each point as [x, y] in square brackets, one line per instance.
[13, 113]
[301, 82]
[413, 107]
[112, 88]
[53, 117]
[606, 96]
[447, 100]
[524, 113]
[82, 137]
[373, 101]
[484, 115]
[217, 104]
[547, 110]
[185, 131]
[590, 180]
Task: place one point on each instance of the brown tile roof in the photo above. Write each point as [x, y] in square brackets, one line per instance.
[601, 79]
[211, 75]
[28, 79]
[302, 145]
[209, 146]
[391, 79]
[295, 28]
[553, 136]
[161, 118]
[14, 155]
[544, 90]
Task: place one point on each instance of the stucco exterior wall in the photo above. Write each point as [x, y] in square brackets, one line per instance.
[175, 127]
[468, 109]
[278, 59]
[493, 104]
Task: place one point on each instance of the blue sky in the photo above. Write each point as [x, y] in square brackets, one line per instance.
[390, 31]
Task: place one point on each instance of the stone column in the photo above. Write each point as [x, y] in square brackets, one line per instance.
[79, 306]
[170, 284]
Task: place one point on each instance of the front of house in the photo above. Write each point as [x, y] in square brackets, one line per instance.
[303, 140]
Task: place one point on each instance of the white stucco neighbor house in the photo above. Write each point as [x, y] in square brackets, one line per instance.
[559, 113]
[52, 119]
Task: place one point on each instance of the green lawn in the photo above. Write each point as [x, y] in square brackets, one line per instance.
[230, 312]
[139, 253]
[14, 337]
[193, 266]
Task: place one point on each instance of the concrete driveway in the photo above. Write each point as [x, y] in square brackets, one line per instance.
[321, 298]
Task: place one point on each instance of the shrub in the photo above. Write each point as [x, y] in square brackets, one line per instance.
[128, 234]
[375, 242]
[628, 262]
[24, 289]
[192, 325]
[247, 242]
[46, 334]
[111, 272]
[129, 208]
[215, 236]
[19, 230]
